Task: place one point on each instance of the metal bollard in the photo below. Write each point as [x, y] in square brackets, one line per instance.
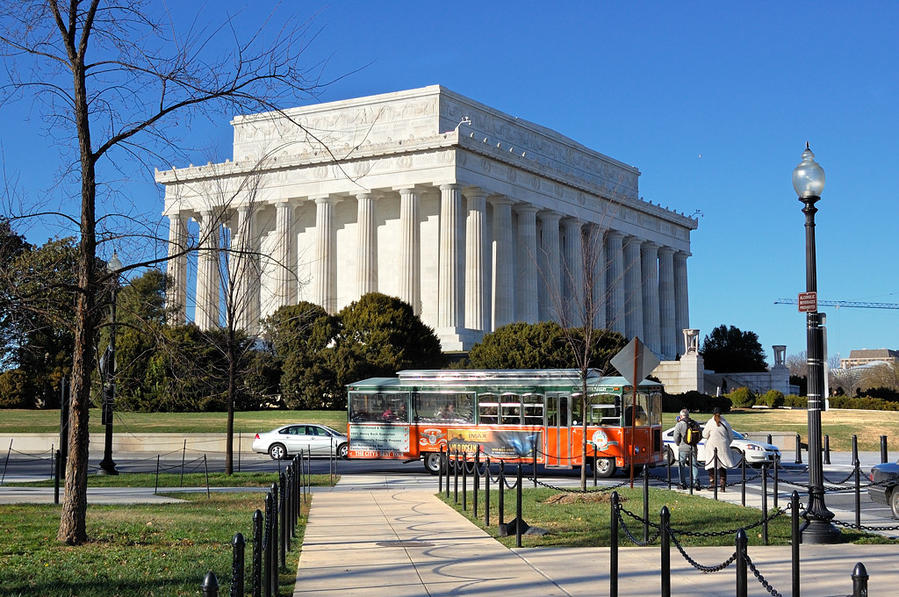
[670, 460]
[464, 481]
[238, 545]
[769, 439]
[535, 464]
[56, 476]
[282, 523]
[795, 540]
[456, 478]
[267, 548]
[476, 482]
[206, 472]
[714, 474]
[742, 587]
[257, 553]
[487, 493]
[646, 503]
[440, 472]
[826, 449]
[884, 456]
[743, 480]
[613, 546]
[665, 517]
[210, 586]
[859, 581]
[273, 542]
[798, 450]
[446, 468]
[502, 487]
[857, 474]
[765, 503]
[518, 517]
[156, 483]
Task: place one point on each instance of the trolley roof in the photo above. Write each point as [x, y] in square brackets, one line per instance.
[471, 378]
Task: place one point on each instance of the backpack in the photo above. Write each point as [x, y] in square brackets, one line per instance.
[694, 433]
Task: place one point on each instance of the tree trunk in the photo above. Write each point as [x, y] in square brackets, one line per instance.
[232, 388]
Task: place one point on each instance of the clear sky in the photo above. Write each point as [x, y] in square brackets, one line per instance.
[713, 102]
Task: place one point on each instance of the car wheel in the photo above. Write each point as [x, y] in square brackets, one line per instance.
[432, 462]
[605, 467]
[737, 455]
[669, 457]
[342, 450]
[894, 501]
[277, 451]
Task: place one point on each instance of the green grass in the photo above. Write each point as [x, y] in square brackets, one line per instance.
[152, 550]
[587, 524]
[47, 421]
[255, 479]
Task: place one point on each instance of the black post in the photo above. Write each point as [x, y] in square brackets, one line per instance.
[884, 457]
[156, 485]
[56, 477]
[646, 503]
[595, 460]
[795, 539]
[63, 424]
[535, 464]
[274, 540]
[714, 473]
[107, 465]
[267, 548]
[798, 459]
[519, 519]
[206, 472]
[742, 587]
[487, 492]
[666, 551]
[476, 481]
[857, 474]
[464, 481]
[613, 546]
[743, 480]
[670, 460]
[440, 472]
[502, 488]
[693, 481]
[776, 482]
[238, 544]
[447, 469]
[859, 581]
[769, 438]
[210, 586]
[257, 553]
[282, 523]
[183, 455]
[826, 449]
[456, 478]
[765, 503]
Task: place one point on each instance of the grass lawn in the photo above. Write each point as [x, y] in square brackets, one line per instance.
[152, 550]
[255, 479]
[583, 521]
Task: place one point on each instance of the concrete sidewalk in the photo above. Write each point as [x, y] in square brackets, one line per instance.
[373, 536]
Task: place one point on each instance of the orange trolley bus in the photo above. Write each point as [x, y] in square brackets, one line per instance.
[508, 413]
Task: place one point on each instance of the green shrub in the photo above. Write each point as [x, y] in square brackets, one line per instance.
[863, 403]
[773, 398]
[694, 401]
[742, 398]
[14, 390]
[795, 401]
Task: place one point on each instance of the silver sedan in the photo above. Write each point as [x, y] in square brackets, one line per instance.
[314, 439]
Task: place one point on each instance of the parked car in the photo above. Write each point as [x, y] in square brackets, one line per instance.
[887, 490]
[318, 440]
[757, 453]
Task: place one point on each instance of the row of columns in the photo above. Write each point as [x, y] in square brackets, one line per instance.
[638, 287]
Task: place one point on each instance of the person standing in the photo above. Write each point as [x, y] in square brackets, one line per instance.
[686, 453]
[718, 434]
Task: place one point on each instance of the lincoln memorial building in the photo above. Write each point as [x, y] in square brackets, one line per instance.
[475, 218]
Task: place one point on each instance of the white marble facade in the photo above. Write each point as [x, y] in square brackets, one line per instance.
[474, 217]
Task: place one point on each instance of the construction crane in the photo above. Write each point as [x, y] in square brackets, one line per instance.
[841, 304]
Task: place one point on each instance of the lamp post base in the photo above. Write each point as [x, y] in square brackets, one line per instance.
[107, 467]
[819, 532]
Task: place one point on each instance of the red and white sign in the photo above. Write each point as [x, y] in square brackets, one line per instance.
[808, 302]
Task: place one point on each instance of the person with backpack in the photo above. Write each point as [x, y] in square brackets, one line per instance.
[718, 434]
[687, 433]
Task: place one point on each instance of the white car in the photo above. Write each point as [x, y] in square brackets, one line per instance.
[317, 440]
[756, 452]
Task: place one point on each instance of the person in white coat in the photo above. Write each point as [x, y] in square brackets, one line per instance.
[718, 434]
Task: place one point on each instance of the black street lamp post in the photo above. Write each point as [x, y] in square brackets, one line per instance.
[107, 465]
[808, 180]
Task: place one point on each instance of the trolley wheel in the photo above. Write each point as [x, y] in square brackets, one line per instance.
[432, 462]
[894, 501]
[277, 451]
[605, 467]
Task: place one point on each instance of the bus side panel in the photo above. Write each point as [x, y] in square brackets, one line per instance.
[380, 440]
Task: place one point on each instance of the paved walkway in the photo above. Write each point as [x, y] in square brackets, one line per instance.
[373, 535]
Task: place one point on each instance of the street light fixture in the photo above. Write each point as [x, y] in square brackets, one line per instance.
[107, 368]
[808, 181]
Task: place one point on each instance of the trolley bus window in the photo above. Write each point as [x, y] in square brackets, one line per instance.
[488, 409]
[510, 409]
[449, 407]
[380, 407]
[642, 411]
[655, 408]
[533, 409]
[605, 409]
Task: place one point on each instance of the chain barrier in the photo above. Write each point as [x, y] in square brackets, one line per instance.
[864, 527]
[627, 531]
[31, 456]
[697, 565]
[849, 476]
[576, 490]
[766, 518]
[758, 576]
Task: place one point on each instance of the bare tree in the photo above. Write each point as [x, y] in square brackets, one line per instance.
[798, 364]
[111, 75]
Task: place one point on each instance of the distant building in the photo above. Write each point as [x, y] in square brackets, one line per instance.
[868, 356]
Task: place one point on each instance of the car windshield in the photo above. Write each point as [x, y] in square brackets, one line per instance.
[738, 435]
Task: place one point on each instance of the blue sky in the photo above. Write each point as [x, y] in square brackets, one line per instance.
[713, 102]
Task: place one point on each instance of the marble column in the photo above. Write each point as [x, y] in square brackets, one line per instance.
[208, 274]
[649, 267]
[573, 274]
[410, 249]
[526, 279]
[366, 245]
[633, 293]
[475, 262]
[245, 270]
[551, 269]
[176, 291]
[666, 303]
[615, 281]
[597, 264]
[450, 312]
[681, 304]
[503, 264]
[325, 240]
[284, 266]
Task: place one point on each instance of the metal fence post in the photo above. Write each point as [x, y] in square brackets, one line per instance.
[502, 488]
[274, 540]
[476, 482]
[535, 464]
[741, 563]
[776, 483]
[765, 503]
[210, 586]
[56, 477]
[447, 469]
[456, 477]
[798, 450]
[714, 475]
[257, 553]
[613, 546]
[237, 568]
[795, 540]
[156, 483]
[267, 548]
[519, 519]
[666, 551]
[206, 473]
[857, 474]
[670, 460]
[859, 581]
[464, 481]
[487, 492]
[440, 471]
[826, 449]
[884, 456]
[183, 455]
[646, 503]
[743, 480]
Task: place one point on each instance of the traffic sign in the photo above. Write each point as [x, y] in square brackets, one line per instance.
[808, 302]
[635, 358]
